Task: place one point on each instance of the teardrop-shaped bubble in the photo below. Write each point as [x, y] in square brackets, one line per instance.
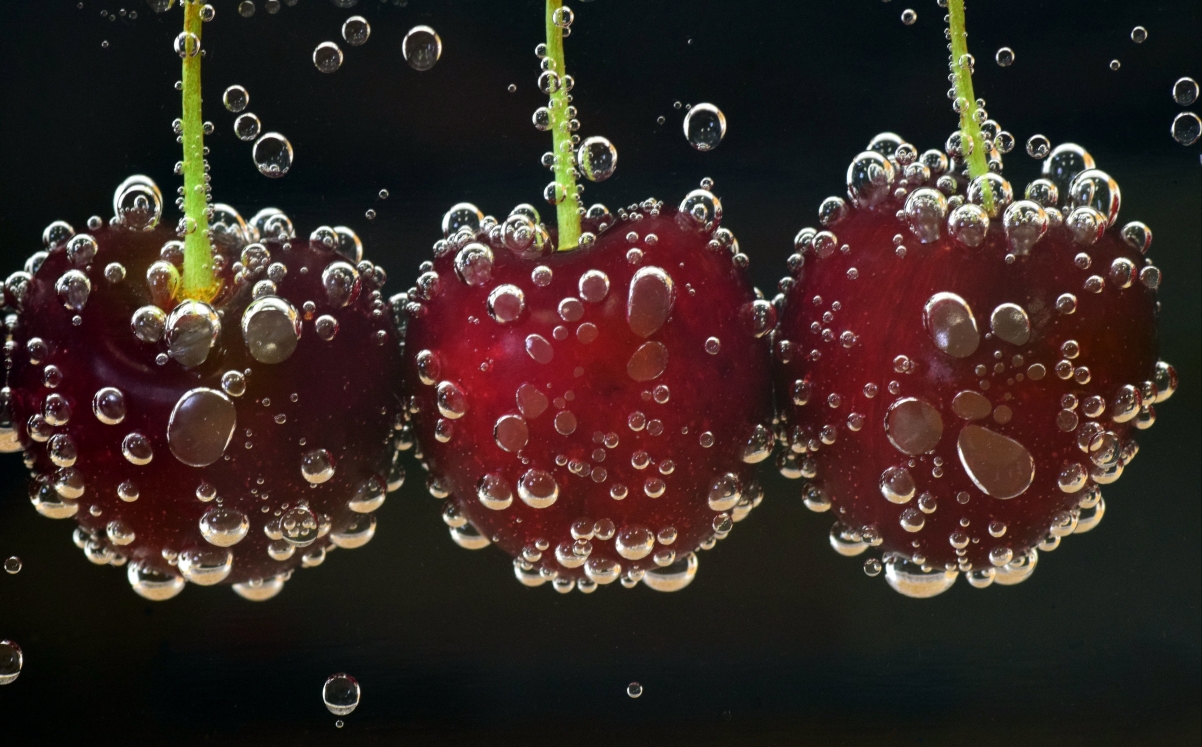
[650, 300]
[341, 282]
[648, 362]
[1010, 323]
[369, 496]
[73, 288]
[356, 534]
[674, 577]
[201, 426]
[538, 488]
[271, 329]
[421, 47]
[1025, 223]
[1000, 466]
[317, 466]
[910, 580]
[914, 426]
[596, 158]
[155, 585]
[951, 324]
[511, 433]
[272, 155]
[224, 527]
[340, 694]
[758, 446]
[192, 328]
[494, 492]
[704, 127]
[926, 211]
[869, 178]
[206, 566]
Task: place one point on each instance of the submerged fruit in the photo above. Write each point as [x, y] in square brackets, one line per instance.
[595, 413]
[958, 377]
[220, 442]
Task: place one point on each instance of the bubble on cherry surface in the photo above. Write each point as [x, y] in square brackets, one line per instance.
[909, 579]
[950, 322]
[999, 466]
[12, 565]
[1185, 91]
[206, 566]
[421, 47]
[1004, 57]
[673, 577]
[341, 694]
[273, 155]
[597, 158]
[271, 329]
[704, 127]
[327, 57]
[201, 426]
[11, 661]
[317, 466]
[356, 31]
[236, 98]
[192, 329]
[1186, 128]
[461, 215]
[913, 426]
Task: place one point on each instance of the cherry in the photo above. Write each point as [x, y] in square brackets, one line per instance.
[957, 381]
[595, 413]
[226, 441]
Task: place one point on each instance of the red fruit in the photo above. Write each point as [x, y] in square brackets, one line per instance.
[246, 438]
[595, 413]
[956, 395]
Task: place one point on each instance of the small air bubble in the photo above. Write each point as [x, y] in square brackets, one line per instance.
[1005, 57]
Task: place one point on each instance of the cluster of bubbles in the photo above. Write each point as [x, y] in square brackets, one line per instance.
[272, 152]
[246, 8]
[1186, 126]
[421, 47]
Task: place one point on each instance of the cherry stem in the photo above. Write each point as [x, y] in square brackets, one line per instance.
[199, 281]
[969, 126]
[565, 168]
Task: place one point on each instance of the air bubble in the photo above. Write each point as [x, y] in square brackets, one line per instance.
[704, 127]
[1004, 57]
[421, 47]
[235, 98]
[273, 155]
[356, 30]
[340, 694]
[597, 158]
[1186, 128]
[1185, 92]
[327, 57]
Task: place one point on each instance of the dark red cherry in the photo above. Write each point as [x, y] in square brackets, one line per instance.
[595, 413]
[222, 442]
[955, 384]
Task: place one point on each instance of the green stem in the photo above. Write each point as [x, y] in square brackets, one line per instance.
[199, 282]
[969, 126]
[565, 167]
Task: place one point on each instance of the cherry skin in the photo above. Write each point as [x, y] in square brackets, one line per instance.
[954, 396]
[595, 413]
[222, 443]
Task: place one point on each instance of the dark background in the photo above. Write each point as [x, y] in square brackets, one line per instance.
[779, 640]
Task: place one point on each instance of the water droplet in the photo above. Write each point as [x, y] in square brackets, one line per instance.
[340, 694]
[1000, 466]
[201, 426]
[224, 527]
[422, 47]
[951, 324]
[272, 155]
